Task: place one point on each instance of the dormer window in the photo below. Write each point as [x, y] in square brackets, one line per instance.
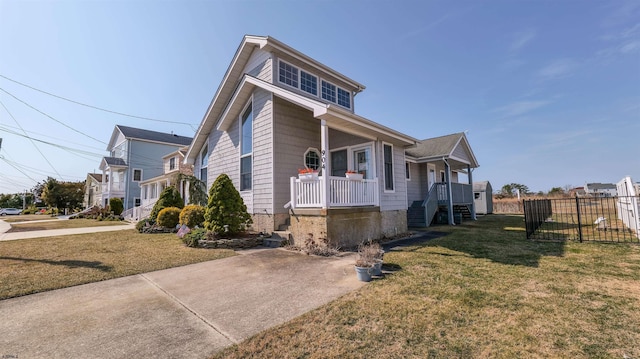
[344, 98]
[307, 82]
[288, 74]
[172, 163]
[328, 91]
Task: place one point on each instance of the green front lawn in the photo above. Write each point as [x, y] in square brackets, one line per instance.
[36, 265]
[480, 290]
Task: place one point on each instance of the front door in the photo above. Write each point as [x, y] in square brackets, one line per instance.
[432, 175]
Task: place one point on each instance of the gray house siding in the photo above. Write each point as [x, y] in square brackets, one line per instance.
[260, 65]
[414, 185]
[396, 199]
[294, 131]
[224, 155]
[461, 153]
[262, 152]
[339, 139]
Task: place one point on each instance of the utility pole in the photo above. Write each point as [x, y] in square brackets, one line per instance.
[24, 200]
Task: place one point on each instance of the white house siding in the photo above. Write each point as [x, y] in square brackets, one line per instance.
[397, 199]
[260, 65]
[262, 152]
[295, 130]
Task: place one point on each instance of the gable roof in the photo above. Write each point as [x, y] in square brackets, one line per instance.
[600, 186]
[437, 148]
[96, 176]
[112, 162]
[230, 88]
[140, 134]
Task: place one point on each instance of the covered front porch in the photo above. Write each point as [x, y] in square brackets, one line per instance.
[438, 192]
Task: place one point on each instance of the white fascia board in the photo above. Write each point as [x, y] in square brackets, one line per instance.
[284, 48]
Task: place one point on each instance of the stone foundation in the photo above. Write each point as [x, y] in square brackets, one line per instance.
[345, 228]
[267, 223]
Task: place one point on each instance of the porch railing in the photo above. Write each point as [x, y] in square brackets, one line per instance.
[461, 193]
[343, 192]
[138, 213]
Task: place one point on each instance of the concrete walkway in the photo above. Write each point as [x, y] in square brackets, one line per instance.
[186, 312]
[4, 227]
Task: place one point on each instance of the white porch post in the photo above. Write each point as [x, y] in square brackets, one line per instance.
[324, 153]
[473, 196]
[449, 192]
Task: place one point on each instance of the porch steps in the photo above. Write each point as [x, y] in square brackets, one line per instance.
[277, 239]
[416, 215]
[462, 209]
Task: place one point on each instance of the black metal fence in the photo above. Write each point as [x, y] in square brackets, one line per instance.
[607, 219]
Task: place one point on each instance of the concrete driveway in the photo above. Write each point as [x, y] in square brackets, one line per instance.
[186, 312]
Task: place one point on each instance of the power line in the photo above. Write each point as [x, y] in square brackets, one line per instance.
[33, 143]
[96, 107]
[69, 149]
[51, 117]
[53, 138]
[19, 170]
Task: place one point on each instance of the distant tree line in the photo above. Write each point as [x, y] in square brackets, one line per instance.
[511, 190]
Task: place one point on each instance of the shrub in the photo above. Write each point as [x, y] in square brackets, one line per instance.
[116, 205]
[192, 216]
[169, 217]
[170, 197]
[191, 239]
[226, 212]
[144, 224]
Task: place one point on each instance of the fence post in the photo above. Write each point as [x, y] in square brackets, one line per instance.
[579, 223]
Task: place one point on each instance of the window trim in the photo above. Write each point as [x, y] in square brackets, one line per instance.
[133, 175]
[139, 201]
[204, 155]
[172, 159]
[318, 88]
[246, 107]
[384, 174]
[317, 152]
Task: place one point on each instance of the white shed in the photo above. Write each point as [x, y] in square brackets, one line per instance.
[483, 197]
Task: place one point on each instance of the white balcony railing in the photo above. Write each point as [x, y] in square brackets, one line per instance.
[343, 192]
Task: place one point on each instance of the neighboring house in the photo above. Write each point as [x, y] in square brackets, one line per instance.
[600, 190]
[134, 154]
[277, 111]
[93, 190]
[150, 189]
[577, 192]
[432, 172]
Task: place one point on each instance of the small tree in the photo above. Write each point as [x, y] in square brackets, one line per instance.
[116, 205]
[169, 197]
[226, 211]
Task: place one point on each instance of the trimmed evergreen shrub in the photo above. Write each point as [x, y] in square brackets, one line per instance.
[169, 217]
[169, 197]
[192, 216]
[226, 212]
[116, 205]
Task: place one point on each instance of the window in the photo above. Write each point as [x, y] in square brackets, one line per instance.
[308, 83]
[137, 175]
[246, 148]
[288, 74]
[145, 193]
[443, 178]
[344, 98]
[328, 91]
[312, 159]
[172, 163]
[407, 170]
[204, 161]
[339, 163]
[388, 167]
[136, 201]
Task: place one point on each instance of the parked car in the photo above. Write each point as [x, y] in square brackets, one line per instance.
[10, 211]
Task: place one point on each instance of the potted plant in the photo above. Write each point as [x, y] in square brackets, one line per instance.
[369, 261]
[308, 174]
[353, 175]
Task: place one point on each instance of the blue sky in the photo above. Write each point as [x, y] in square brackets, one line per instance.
[549, 91]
